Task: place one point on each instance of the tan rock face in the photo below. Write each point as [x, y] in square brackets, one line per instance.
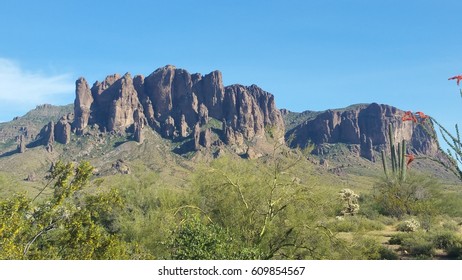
[124, 105]
[62, 131]
[82, 105]
[21, 144]
[172, 100]
[366, 126]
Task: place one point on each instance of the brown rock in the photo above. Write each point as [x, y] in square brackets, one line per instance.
[124, 105]
[139, 122]
[172, 96]
[368, 121]
[168, 128]
[203, 114]
[366, 150]
[196, 135]
[206, 138]
[21, 144]
[63, 131]
[121, 167]
[183, 127]
[82, 105]
[47, 134]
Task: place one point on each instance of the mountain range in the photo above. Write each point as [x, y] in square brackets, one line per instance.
[187, 115]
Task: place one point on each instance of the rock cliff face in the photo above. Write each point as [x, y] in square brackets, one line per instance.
[366, 126]
[172, 101]
[190, 107]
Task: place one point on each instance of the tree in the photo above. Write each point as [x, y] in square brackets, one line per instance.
[262, 204]
[195, 239]
[68, 225]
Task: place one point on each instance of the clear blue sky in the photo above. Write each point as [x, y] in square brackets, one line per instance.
[312, 55]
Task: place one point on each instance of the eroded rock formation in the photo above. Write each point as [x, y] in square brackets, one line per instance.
[364, 125]
[172, 101]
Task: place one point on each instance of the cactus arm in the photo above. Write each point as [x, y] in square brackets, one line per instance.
[384, 163]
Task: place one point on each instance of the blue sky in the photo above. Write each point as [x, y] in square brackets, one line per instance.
[312, 55]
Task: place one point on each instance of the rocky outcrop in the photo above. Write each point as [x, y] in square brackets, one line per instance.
[46, 136]
[196, 137]
[183, 127]
[205, 138]
[364, 125]
[172, 101]
[82, 105]
[366, 148]
[21, 144]
[62, 131]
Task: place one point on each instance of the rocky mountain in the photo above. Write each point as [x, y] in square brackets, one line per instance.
[172, 102]
[197, 112]
[365, 127]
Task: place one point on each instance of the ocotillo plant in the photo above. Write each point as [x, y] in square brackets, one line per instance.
[398, 158]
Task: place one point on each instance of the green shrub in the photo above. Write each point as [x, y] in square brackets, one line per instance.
[410, 225]
[419, 245]
[199, 240]
[411, 197]
[445, 239]
[356, 223]
[455, 251]
[396, 239]
[388, 254]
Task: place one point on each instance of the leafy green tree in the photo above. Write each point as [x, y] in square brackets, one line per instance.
[67, 225]
[264, 204]
[195, 239]
[411, 197]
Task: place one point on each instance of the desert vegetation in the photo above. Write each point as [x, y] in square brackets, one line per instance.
[274, 207]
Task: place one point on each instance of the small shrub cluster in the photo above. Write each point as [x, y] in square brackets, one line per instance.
[423, 245]
[410, 225]
[356, 223]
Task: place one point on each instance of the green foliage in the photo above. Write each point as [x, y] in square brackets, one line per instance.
[423, 245]
[68, 225]
[417, 244]
[446, 239]
[411, 197]
[455, 147]
[409, 225]
[198, 240]
[355, 224]
[368, 248]
[455, 251]
[265, 206]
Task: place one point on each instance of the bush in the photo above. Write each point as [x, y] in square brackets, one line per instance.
[198, 240]
[368, 248]
[410, 225]
[356, 223]
[445, 240]
[388, 254]
[411, 197]
[418, 244]
[396, 239]
[455, 251]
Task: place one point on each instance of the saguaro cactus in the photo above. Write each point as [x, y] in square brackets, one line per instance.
[398, 157]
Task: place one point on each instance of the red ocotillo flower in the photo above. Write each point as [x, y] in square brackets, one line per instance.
[422, 116]
[458, 78]
[410, 158]
[408, 116]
